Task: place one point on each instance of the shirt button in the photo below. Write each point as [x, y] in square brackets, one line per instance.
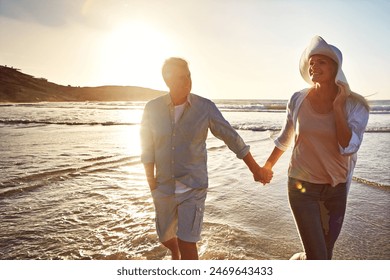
[173, 148]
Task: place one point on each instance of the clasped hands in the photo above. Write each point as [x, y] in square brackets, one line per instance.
[263, 175]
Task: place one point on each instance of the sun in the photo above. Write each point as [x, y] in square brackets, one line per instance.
[133, 53]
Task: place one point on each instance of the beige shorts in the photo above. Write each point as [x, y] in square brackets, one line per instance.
[179, 215]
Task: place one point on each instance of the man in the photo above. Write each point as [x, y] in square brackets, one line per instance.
[174, 130]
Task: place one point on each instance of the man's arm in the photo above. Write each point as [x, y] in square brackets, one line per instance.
[147, 149]
[273, 158]
[222, 129]
[149, 172]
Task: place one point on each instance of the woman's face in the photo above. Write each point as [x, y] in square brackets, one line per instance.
[322, 69]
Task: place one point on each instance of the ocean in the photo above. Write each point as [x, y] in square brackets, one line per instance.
[72, 187]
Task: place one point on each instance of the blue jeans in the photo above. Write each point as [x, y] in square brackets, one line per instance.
[318, 211]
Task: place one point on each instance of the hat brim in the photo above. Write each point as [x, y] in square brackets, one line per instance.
[319, 46]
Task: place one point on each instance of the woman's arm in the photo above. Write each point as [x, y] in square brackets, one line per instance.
[260, 174]
[351, 121]
[273, 158]
[343, 131]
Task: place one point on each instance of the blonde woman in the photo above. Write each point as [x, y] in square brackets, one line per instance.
[326, 122]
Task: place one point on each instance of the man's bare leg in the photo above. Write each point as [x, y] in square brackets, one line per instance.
[188, 250]
[172, 245]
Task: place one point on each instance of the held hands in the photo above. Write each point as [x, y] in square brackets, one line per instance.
[260, 174]
[263, 175]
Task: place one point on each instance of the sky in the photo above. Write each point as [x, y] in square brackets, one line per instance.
[236, 49]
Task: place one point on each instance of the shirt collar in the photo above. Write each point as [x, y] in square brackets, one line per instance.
[168, 100]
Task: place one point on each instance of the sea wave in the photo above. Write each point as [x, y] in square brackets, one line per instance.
[378, 129]
[81, 105]
[369, 182]
[380, 107]
[255, 127]
[240, 126]
[39, 179]
[49, 122]
[250, 105]
[379, 112]
[261, 107]
[376, 107]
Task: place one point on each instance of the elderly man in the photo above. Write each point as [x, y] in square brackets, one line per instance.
[174, 130]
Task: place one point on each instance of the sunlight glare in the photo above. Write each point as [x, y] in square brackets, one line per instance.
[133, 54]
[129, 138]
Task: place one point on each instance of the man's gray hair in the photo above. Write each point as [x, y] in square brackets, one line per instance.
[172, 61]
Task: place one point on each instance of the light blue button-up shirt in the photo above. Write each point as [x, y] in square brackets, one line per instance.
[179, 150]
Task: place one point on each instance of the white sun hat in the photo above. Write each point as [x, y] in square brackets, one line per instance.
[319, 46]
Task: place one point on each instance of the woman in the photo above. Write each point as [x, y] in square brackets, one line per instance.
[327, 122]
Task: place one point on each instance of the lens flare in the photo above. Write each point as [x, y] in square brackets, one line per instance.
[299, 186]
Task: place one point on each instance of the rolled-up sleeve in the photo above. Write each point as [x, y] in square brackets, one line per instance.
[357, 122]
[283, 141]
[222, 129]
[147, 143]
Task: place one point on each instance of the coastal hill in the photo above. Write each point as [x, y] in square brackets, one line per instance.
[17, 87]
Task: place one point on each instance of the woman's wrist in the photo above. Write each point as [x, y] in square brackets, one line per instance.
[268, 165]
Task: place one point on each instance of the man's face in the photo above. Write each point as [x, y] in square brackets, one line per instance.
[179, 81]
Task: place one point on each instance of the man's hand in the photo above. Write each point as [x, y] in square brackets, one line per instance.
[152, 183]
[263, 175]
[150, 177]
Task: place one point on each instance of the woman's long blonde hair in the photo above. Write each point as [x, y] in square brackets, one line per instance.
[360, 99]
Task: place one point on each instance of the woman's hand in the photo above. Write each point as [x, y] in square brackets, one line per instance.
[263, 175]
[341, 98]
